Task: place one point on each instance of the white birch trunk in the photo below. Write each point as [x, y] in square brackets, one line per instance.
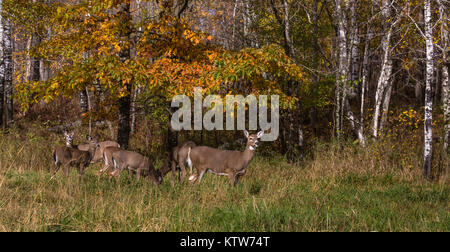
[443, 14]
[8, 85]
[365, 72]
[2, 67]
[386, 102]
[342, 67]
[428, 127]
[386, 68]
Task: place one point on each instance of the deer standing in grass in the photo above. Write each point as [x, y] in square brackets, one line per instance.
[223, 162]
[134, 162]
[177, 157]
[68, 156]
[107, 158]
[98, 155]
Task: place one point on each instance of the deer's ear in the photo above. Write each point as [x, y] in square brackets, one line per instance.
[88, 138]
[246, 133]
[260, 134]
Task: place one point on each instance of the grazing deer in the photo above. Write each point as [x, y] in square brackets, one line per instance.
[107, 157]
[68, 156]
[177, 156]
[69, 136]
[135, 162]
[223, 162]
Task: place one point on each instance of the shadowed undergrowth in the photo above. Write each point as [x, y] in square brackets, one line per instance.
[340, 189]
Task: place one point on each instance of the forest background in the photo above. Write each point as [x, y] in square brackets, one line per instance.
[364, 111]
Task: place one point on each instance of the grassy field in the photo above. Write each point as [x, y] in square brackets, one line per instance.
[339, 189]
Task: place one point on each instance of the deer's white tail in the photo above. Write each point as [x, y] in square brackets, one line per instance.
[189, 161]
[105, 159]
[115, 164]
[55, 158]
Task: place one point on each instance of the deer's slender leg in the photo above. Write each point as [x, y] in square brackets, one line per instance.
[236, 180]
[66, 169]
[138, 174]
[81, 172]
[232, 177]
[104, 169]
[116, 173]
[173, 165]
[58, 165]
[183, 169]
[200, 173]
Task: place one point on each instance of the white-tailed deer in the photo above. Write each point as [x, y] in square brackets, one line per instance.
[98, 155]
[223, 162]
[68, 156]
[107, 157]
[137, 163]
[177, 157]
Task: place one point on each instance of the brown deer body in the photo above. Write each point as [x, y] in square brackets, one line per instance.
[98, 155]
[68, 156]
[177, 157]
[223, 162]
[137, 163]
[107, 157]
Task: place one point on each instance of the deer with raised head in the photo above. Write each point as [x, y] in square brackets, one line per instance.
[223, 162]
[177, 158]
[136, 163]
[98, 155]
[68, 156]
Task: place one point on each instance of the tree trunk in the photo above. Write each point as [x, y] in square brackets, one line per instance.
[428, 127]
[84, 101]
[123, 130]
[133, 108]
[386, 102]
[443, 12]
[33, 72]
[386, 67]
[172, 135]
[8, 85]
[2, 67]
[316, 60]
[290, 51]
[365, 73]
[342, 68]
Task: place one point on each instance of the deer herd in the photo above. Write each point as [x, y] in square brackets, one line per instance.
[219, 162]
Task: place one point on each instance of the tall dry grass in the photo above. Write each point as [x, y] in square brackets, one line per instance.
[339, 187]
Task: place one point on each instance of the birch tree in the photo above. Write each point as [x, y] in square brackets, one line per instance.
[443, 15]
[384, 88]
[428, 127]
[343, 108]
[2, 66]
[342, 70]
[8, 71]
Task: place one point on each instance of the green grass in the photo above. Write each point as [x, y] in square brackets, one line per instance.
[332, 192]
